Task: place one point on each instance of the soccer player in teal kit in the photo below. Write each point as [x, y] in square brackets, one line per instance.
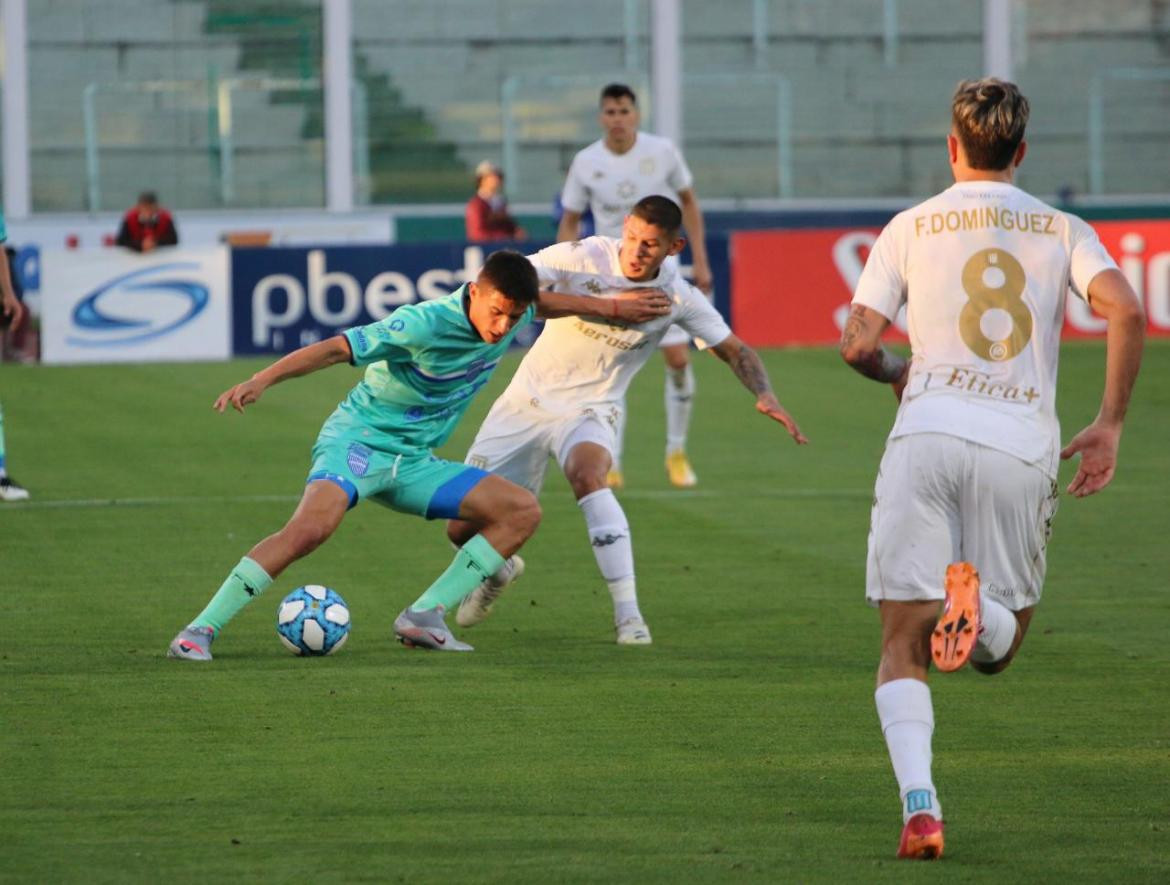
[425, 363]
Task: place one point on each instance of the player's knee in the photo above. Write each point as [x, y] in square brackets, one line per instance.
[525, 516]
[585, 480]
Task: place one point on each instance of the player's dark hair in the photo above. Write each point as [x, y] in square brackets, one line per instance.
[990, 116]
[512, 275]
[660, 212]
[618, 91]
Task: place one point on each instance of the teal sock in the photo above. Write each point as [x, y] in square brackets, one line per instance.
[475, 561]
[246, 581]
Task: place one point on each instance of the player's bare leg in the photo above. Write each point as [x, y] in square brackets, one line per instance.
[609, 534]
[975, 626]
[319, 513]
[503, 516]
[678, 397]
[987, 657]
[907, 719]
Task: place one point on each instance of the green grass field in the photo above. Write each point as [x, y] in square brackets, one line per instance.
[742, 746]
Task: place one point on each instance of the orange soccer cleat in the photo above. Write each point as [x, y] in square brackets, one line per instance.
[955, 633]
[922, 838]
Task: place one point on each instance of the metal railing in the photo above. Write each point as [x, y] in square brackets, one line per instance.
[1097, 115]
[217, 97]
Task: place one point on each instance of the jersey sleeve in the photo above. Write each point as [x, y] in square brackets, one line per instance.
[882, 285]
[698, 316]
[553, 265]
[680, 178]
[1088, 257]
[575, 193]
[395, 338]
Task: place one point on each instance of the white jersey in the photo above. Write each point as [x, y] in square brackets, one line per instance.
[612, 183]
[983, 269]
[587, 361]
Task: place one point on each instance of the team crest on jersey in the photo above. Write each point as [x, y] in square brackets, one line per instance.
[593, 286]
[646, 166]
[358, 459]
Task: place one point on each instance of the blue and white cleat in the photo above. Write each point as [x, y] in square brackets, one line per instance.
[427, 629]
[477, 604]
[192, 644]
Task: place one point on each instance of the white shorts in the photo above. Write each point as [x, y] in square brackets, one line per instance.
[675, 335]
[517, 439]
[941, 499]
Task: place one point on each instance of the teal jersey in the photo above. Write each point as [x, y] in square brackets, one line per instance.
[425, 362]
[3, 230]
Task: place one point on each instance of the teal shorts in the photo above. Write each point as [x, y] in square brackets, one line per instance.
[413, 482]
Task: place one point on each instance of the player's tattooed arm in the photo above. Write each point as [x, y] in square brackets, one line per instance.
[861, 347]
[747, 366]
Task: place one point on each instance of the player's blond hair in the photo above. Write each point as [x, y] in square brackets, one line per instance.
[990, 116]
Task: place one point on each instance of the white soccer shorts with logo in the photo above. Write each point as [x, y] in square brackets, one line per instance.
[940, 499]
[517, 438]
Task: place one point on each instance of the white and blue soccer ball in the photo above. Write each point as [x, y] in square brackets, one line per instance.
[313, 620]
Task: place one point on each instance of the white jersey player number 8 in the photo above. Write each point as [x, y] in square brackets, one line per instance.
[994, 280]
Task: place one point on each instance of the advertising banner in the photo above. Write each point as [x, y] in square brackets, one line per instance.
[794, 287]
[285, 298]
[110, 305]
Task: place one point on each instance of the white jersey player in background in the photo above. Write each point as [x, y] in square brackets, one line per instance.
[967, 487]
[567, 395]
[610, 176]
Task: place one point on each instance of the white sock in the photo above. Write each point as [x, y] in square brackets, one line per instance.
[997, 631]
[679, 398]
[907, 718]
[504, 573]
[609, 533]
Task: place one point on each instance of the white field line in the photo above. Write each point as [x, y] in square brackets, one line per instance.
[632, 494]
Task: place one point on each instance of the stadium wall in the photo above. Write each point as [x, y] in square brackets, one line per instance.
[777, 287]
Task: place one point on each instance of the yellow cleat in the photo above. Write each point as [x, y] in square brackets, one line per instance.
[678, 468]
[615, 480]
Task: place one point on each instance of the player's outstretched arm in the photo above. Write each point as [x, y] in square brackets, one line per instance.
[749, 369]
[631, 306]
[861, 348]
[300, 362]
[1113, 298]
[697, 236]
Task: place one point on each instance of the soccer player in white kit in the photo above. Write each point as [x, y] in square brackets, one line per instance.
[966, 491]
[610, 176]
[567, 395]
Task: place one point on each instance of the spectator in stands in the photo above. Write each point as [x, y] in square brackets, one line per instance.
[146, 225]
[12, 314]
[487, 213]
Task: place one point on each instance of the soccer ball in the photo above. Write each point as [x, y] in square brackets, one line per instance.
[313, 620]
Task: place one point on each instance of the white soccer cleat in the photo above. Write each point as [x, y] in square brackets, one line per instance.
[477, 604]
[633, 631]
[11, 490]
